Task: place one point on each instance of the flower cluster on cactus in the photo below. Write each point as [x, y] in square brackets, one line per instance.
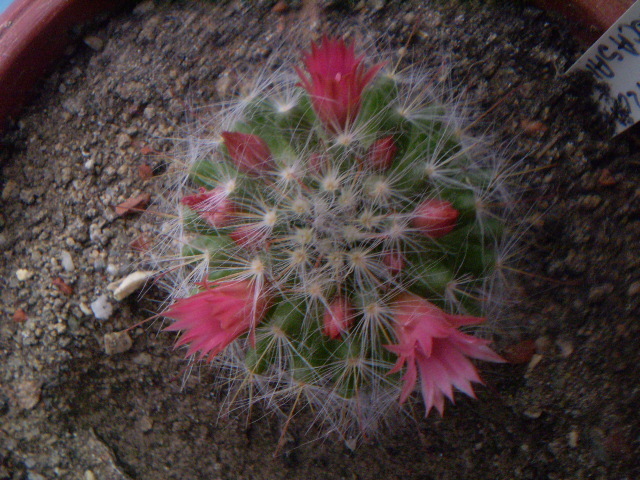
[339, 244]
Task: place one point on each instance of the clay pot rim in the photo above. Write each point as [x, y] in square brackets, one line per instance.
[33, 34]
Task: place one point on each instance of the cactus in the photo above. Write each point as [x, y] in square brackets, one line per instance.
[336, 240]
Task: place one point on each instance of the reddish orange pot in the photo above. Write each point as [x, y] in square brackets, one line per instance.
[595, 15]
[33, 33]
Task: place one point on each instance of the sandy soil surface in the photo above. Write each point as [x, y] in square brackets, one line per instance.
[109, 115]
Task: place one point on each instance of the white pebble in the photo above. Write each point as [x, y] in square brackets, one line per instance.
[112, 269]
[24, 274]
[101, 308]
[67, 261]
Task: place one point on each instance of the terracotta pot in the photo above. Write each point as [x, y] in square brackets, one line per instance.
[591, 17]
[33, 34]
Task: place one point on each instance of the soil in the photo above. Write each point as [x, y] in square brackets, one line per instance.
[109, 115]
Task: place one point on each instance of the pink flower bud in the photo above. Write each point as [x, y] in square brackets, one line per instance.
[394, 261]
[435, 218]
[382, 153]
[249, 152]
[338, 317]
[214, 206]
[251, 237]
[317, 163]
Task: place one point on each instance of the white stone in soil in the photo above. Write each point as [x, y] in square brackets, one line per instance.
[101, 307]
[23, 274]
[67, 261]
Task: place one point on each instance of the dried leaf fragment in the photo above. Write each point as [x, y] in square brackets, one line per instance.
[133, 204]
[62, 286]
[126, 286]
[533, 127]
[520, 352]
[19, 316]
[145, 172]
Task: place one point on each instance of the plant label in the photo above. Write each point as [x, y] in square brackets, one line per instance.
[614, 61]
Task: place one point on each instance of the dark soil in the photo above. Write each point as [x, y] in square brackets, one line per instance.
[68, 410]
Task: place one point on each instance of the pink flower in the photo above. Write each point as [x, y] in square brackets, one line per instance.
[435, 218]
[214, 206]
[430, 344]
[249, 152]
[336, 81]
[212, 319]
[381, 153]
[338, 317]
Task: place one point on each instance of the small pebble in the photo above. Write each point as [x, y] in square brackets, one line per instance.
[599, 293]
[566, 348]
[573, 438]
[223, 83]
[23, 274]
[89, 475]
[9, 189]
[101, 308]
[67, 261]
[377, 5]
[28, 393]
[112, 269]
[145, 423]
[634, 289]
[535, 360]
[144, 7]
[591, 202]
[85, 309]
[123, 140]
[117, 342]
[542, 344]
[533, 412]
[143, 359]
[93, 42]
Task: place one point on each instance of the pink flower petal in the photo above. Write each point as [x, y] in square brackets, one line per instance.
[214, 206]
[431, 346]
[338, 317]
[336, 81]
[212, 319]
